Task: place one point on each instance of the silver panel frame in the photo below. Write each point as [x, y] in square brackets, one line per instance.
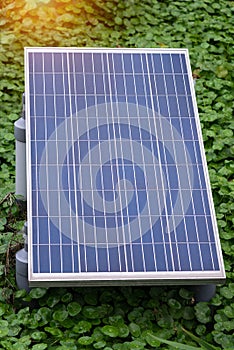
[119, 278]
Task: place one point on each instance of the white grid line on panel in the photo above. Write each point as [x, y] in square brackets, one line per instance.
[152, 132]
[182, 204]
[56, 141]
[175, 157]
[74, 165]
[65, 113]
[128, 123]
[101, 175]
[81, 180]
[72, 56]
[97, 163]
[122, 148]
[36, 155]
[159, 158]
[144, 167]
[123, 169]
[102, 179]
[93, 199]
[79, 158]
[134, 180]
[167, 171]
[186, 165]
[180, 185]
[145, 215]
[46, 157]
[115, 152]
[184, 147]
[96, 110]
[90, 171]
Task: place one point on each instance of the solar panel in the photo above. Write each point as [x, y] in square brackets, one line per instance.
[118, 187]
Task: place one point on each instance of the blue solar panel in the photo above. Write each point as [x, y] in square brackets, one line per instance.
[118, 186]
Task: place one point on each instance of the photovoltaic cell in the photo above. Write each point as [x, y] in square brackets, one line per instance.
[118, 188]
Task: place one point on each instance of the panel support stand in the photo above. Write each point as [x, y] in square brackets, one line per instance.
[22, 263]
[20, 159]
[203, 292]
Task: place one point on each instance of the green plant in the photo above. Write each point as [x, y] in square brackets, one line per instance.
[120, 318]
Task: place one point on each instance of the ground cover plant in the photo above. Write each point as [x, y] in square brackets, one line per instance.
[130, 317]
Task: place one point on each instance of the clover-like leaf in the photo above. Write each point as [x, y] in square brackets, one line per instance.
[110, 331]
[82, 327]
[60, 315]
[73, 308]
[37, 293]
[85, 340]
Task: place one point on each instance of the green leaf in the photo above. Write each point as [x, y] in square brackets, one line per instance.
[166, 321]
[188, 313]
[116, 320]
[82, 327]
[123, 331]
[69, 344]
[201, 329]
[216, 300]
[54, 331]
[14, 330]
[3, 247]
[3, 331]
[66, 298]
[44, 315]
[205, 45]
[25, 340]
[99, 345]
[19, 346]
[174, 304]
[151, 340]
[225, 340]
[60, 315]
[9, 137]
[53, 300]
[37, 293]
[3, 222]
[85, 340]
[91, 298]
[134, 329]
[135, 314]
[73, 308]
[185, 294]
[90, 312]
[221, 71]
[20, 293]
[229, 311]
[3, 309]
[226, 293]
[136, 345]
[41, 346]
[37, 335]
[118, 20]
[110, 331]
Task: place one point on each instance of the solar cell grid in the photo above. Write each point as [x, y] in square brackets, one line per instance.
[118, 186]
